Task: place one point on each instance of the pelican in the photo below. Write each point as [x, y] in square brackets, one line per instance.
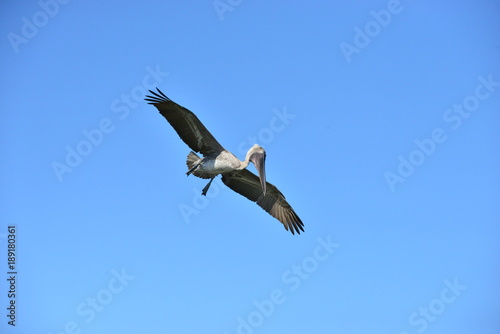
[218, 161]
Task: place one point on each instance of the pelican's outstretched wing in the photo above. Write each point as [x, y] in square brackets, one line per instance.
[248, 184]
[187, 125]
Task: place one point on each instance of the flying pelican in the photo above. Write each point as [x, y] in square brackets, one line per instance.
[216, 160]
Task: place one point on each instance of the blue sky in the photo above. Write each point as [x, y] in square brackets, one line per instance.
[380, 121]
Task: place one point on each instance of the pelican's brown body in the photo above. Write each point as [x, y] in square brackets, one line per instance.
[218, 161]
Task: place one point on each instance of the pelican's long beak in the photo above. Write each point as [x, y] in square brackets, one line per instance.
[259, 160]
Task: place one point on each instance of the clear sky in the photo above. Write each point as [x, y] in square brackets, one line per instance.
[381, 124]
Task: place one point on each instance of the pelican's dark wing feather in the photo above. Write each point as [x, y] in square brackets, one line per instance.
[248, 184]
[186, 124]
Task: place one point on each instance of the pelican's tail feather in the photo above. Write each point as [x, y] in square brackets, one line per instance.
[193, 162]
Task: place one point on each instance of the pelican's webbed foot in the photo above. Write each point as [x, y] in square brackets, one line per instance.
[204, 191]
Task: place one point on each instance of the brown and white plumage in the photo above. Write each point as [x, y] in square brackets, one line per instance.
[216, 160]
[247, 184]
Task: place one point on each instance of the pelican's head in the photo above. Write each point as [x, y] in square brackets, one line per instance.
[257, 155]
